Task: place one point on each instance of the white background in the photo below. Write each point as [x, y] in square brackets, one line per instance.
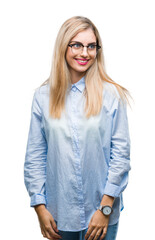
[28, 31]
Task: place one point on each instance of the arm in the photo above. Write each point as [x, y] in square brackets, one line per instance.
[35, 170]
[107, 200]
[119, 167]
[35, 158]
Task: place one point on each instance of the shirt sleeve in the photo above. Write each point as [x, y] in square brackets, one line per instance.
[119, 164]
[35, 157]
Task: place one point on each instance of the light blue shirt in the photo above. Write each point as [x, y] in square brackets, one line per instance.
[70, 163]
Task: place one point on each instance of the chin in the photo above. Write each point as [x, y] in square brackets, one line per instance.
[81, 69]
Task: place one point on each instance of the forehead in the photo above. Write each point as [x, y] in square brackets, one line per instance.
[85, 36]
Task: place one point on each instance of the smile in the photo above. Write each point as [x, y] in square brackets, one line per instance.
[82, 61]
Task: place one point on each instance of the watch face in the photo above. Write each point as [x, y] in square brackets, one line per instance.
[107, 210]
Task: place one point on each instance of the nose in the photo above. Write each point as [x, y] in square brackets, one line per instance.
[84, 52]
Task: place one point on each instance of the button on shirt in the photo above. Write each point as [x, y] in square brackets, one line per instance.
[71, 162]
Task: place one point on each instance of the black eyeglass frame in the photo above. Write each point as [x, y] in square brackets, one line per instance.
[96, 45]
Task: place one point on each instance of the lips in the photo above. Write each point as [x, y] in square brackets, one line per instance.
[81, 61]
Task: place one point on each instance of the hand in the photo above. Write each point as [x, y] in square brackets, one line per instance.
[97, 223]
[47, 223]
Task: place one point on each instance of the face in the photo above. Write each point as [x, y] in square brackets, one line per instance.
[80, 61]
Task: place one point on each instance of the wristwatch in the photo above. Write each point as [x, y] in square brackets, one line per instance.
[106, 210]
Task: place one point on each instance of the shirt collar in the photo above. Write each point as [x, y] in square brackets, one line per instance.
[80, 85]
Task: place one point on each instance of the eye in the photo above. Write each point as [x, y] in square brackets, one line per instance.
[92, 46]
[76, 45]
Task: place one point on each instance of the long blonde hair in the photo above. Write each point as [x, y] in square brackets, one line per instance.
[60, 78]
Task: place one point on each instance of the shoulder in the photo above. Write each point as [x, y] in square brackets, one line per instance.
[112, 97]
[110, 94]
[43, 89]
[40, 93]
[111, 90]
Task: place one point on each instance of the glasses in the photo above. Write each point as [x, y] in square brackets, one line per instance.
[78, 47]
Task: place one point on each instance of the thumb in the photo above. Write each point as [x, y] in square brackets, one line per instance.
[89, 223]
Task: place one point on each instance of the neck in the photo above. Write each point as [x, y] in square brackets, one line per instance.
[75, 77]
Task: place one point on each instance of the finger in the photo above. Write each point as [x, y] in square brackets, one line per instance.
[98, 233]
[43, 233]
[90, 229]
[104, 233]
[54, 235]
[51, 233]
[54, 226]
[50, 237]
[92, 235]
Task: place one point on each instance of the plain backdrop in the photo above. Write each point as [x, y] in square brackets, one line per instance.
[28, 30]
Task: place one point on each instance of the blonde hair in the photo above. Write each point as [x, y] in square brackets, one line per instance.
[60, 78]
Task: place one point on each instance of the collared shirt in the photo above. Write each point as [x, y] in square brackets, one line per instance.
[71, 162]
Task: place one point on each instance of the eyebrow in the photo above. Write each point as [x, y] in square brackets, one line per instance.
[82, 43]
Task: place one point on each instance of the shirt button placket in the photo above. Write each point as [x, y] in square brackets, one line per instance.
[77, 156]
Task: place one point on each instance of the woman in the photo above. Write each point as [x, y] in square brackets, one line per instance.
[78, 151]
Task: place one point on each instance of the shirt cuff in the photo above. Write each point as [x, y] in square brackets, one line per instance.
[37, 199]
[112, 190]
